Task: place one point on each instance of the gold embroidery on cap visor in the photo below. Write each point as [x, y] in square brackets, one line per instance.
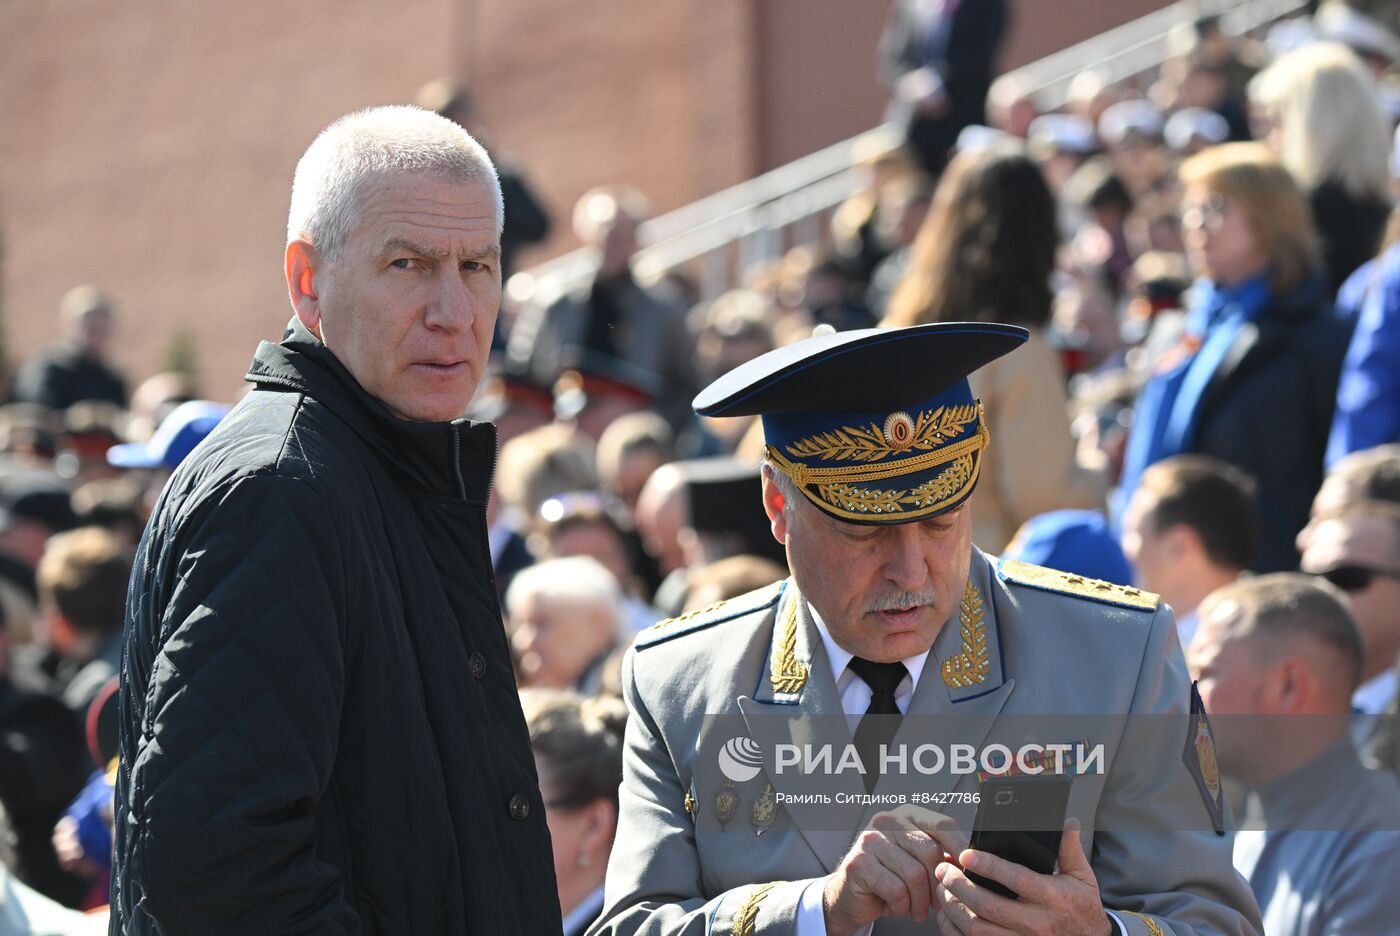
[901, 433]
[843, 490]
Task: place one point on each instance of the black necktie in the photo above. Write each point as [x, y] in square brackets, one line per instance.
[881, 719]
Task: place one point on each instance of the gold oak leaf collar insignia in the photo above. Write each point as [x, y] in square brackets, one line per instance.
[971, 665]
[786, 672]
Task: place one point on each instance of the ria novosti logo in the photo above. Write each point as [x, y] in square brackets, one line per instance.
[740, 759]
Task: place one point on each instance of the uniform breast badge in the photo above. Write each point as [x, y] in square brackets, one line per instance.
[726, 801]
[764, 812]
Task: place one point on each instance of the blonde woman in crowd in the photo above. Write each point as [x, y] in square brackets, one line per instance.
[1320, 112]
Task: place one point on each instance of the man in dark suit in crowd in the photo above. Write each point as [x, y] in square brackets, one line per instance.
[77, 368]
[938, 57]
[623, 333]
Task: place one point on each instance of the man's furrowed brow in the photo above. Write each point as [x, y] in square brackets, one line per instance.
[403, 245]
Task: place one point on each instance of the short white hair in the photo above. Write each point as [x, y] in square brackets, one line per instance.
[576, 580]
[785, 485]
[370, 144]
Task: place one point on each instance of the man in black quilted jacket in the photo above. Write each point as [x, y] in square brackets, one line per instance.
[320, 731]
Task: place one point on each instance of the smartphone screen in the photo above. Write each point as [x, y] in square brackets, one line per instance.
[1020, 819]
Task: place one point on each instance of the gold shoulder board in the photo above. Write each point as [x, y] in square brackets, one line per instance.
[1034, 576]
[717, 613]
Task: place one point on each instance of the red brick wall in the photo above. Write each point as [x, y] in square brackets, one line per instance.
[149, 147]
[1040, 27]
[657, 94]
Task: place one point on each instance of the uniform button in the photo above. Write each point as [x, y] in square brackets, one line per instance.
[477, 662]
[519, 807]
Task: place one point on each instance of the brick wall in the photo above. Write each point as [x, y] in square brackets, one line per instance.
[149, 147]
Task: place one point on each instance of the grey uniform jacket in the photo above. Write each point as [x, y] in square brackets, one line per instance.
[1027, 648]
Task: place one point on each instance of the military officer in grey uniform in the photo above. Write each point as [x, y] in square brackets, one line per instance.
[874, 444]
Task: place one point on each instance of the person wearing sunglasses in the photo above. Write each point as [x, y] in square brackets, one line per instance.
[1356, 578]
[1358, 551]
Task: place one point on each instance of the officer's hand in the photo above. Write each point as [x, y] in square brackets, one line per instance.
[889, 870]
[1065, 903]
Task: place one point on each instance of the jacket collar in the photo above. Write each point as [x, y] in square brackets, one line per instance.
[1281, 319]
[796, 700]
[1297, 800]
[453, 459]
[965, 662]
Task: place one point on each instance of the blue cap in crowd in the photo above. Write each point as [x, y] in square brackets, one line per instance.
[179, 433]
[1075, 541]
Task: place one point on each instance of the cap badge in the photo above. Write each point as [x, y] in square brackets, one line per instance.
[899, 431]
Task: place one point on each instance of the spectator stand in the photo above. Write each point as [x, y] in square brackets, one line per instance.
[716, 239]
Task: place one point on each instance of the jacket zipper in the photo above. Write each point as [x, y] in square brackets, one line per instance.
[457, 463]
[495, 457]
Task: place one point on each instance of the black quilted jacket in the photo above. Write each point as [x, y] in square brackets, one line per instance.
[320, 731]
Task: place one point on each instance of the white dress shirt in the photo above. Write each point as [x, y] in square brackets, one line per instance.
[854, 692]
[1374, 696]
[577, 920]
[1186, 627]
[855, 699]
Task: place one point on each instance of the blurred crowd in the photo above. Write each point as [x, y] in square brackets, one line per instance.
[1207, 259]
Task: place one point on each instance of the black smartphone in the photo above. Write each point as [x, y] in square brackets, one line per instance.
[1020, 819]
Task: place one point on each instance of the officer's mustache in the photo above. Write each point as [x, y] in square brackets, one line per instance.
[902, 601]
